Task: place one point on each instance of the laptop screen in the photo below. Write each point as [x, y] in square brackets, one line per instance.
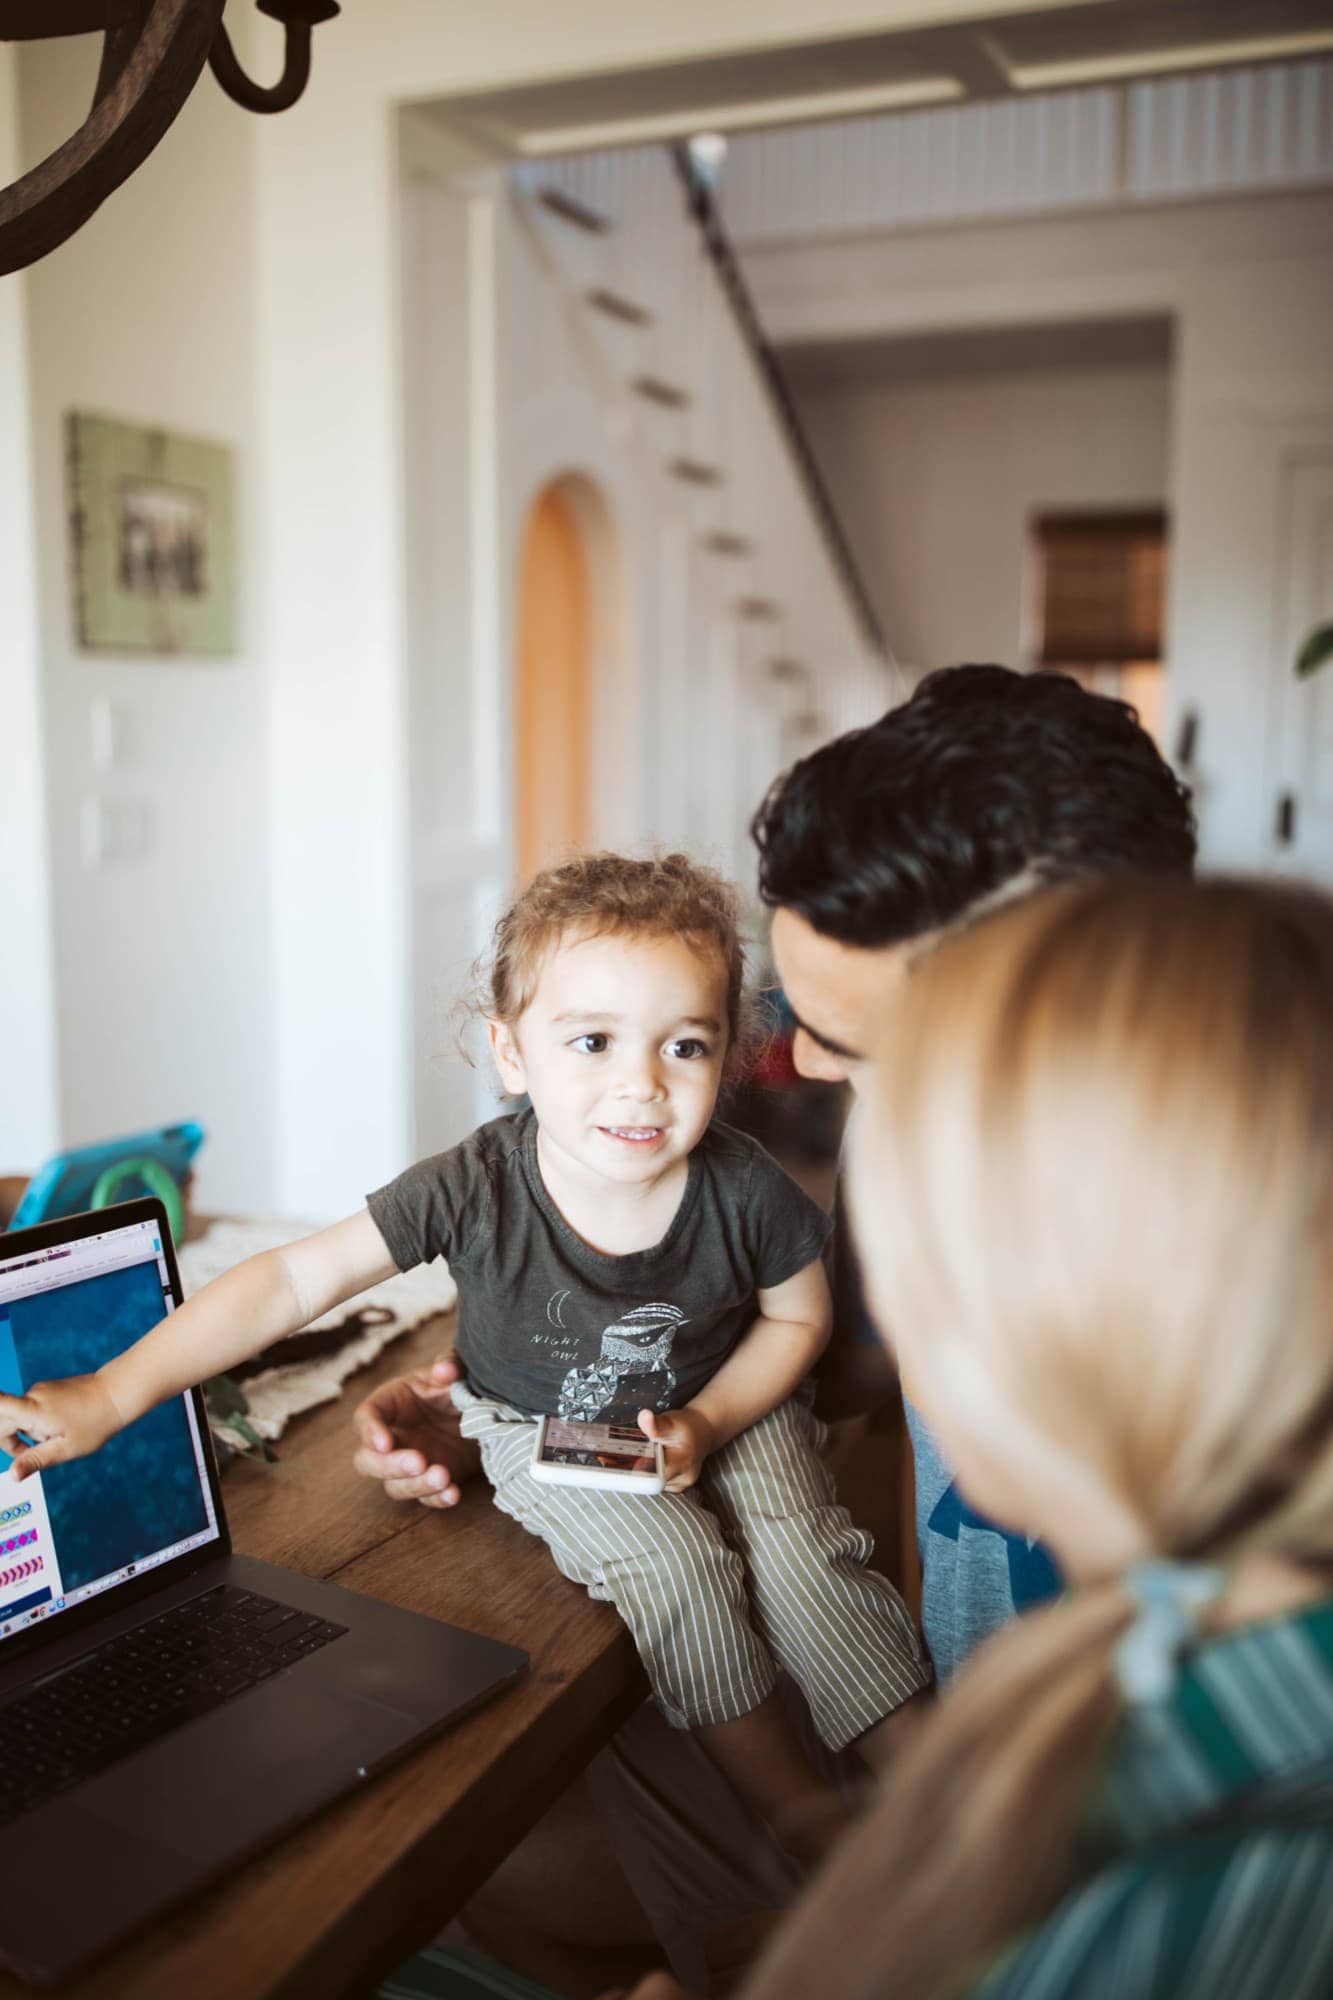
[81, 1528]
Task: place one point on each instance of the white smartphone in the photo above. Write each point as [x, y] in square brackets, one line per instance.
[615, 1455]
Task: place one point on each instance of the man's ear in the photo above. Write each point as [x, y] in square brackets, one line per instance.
[507, 1058]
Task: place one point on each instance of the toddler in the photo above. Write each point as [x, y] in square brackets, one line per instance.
[622, 1257]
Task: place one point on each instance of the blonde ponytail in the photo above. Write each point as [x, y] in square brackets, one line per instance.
[970, 1840]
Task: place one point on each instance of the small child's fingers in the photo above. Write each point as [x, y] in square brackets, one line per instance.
[433, 1384]
[665, 1429]
[407, 1489]
[427, 1482]
[434, 1497]
[37, 1458]
[372, 1431]
[20, 1422]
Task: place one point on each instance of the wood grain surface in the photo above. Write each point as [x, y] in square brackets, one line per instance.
[338, 1904]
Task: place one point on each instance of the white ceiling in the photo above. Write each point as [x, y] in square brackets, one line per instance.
[1035, 47]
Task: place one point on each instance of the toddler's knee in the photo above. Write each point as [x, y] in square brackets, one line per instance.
[677, 1594]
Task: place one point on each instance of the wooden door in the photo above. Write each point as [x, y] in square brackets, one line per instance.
[553, 702]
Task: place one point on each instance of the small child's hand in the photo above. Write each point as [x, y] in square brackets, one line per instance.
[65, 1419]
[686, 1438]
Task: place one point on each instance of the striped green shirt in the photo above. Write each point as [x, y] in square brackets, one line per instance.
[1215, 1818]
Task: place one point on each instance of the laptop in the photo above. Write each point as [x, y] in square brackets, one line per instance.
[167, 1707]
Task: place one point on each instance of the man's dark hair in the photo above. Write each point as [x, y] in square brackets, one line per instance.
[892, 831]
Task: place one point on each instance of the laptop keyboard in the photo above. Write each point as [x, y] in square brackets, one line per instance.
[134, 1689]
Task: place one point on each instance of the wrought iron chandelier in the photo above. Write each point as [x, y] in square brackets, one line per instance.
[152, 54]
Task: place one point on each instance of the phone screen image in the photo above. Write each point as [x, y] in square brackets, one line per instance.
[616, 1447]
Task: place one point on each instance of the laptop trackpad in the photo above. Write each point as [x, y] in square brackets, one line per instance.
[250, 1768]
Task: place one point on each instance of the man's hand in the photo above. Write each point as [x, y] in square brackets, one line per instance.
[65, 1419]
[409, 1437]
[686, 1437]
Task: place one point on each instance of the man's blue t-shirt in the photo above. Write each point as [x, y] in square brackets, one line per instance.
[974, 1575]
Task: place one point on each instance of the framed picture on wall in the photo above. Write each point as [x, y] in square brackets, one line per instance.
[151, 538]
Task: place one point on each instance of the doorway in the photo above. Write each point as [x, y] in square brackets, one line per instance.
[556, 670]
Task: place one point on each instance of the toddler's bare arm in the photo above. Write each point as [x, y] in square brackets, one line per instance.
[771, 1359]
[236, 1316]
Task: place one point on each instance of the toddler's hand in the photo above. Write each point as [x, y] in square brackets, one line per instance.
[686, 1438]
[65, 1419]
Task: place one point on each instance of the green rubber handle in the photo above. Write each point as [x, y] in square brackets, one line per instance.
[155, 1178]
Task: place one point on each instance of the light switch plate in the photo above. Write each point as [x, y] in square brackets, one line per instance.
[114, 831]
[110, 724]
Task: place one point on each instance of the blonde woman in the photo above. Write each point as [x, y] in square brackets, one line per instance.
[1094, 1187]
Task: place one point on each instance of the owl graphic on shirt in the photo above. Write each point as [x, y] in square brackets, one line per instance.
[635, 1350]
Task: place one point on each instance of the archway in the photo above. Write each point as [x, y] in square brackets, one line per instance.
[563, 576]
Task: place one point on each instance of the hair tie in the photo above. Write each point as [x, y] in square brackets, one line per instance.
[1169, 1600]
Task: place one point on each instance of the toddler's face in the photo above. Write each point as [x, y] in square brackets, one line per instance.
[621, 1050]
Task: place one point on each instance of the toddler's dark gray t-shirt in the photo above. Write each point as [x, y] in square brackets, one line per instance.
[556, 1328]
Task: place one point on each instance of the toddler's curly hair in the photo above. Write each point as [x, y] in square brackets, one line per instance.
[614, 895]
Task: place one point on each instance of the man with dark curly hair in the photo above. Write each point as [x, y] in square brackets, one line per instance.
[986, 785]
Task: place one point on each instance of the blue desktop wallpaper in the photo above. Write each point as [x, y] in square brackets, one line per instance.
[141, 1491]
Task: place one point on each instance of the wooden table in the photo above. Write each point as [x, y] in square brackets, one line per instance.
[341, 1902]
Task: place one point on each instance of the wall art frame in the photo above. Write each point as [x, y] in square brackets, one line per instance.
[152, 538]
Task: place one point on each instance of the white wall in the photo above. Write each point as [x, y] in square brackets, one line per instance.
[1249, 287]
[939, 480]
[1255, 396]
[255, 967]
[163, 986]
[29, 1118]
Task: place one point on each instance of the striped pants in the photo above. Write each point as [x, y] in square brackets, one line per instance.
[754, 1569]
